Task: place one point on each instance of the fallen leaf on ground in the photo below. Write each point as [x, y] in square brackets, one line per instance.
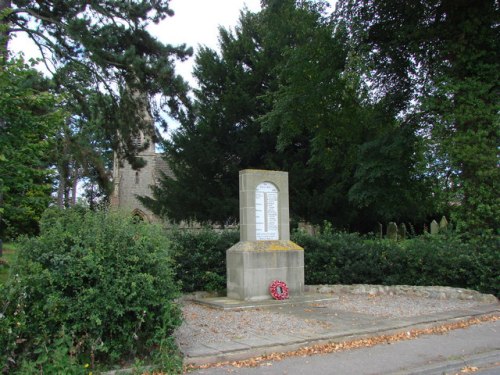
[468, 369]
[354, 344]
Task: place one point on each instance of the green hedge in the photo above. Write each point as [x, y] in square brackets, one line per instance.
[348, 258]
[445, 260]
[92, 289]
[200, 257]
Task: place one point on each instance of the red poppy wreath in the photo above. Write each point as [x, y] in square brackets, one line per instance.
[279, 290]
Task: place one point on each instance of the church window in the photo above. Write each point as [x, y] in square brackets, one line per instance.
[137, 140]
[137, 177]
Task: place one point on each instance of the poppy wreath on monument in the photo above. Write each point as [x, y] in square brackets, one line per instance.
[279, 290]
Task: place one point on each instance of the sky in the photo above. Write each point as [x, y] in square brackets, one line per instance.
[196, 22]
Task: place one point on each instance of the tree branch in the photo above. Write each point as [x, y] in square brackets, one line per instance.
[37, 16]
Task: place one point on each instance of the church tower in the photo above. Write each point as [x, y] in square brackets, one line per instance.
[130, 183]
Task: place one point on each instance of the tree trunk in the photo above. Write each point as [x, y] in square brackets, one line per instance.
[74, 187]
[61, 188]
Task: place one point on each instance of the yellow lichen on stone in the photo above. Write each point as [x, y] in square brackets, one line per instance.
[289, 245]
[278, 245]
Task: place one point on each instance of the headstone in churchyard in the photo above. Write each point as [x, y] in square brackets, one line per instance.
[307, 228]
[402, 231]
[265, 252]
[380, 230]
[392, 231]
[434, 227]
[443, 224]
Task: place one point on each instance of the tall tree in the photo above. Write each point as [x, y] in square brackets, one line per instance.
[225, 134]
[312, 112]
[101, 53]
[324, 112]
[438, 59]
[287, 93]
[30, 119]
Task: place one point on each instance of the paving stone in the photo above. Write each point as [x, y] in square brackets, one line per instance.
[201, 351]
[230, 346]
[256, 341]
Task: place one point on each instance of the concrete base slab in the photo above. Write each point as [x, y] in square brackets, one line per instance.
[201, 351]
[225, 303]
[255, 342]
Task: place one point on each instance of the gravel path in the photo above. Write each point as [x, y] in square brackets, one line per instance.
[207, 325]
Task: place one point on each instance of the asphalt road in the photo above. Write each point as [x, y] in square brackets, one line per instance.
[472, 350]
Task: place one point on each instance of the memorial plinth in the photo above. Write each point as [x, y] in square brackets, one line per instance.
[265, 252]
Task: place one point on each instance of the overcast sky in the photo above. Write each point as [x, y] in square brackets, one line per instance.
[196, 22]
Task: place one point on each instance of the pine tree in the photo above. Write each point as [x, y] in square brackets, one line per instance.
[100, 53]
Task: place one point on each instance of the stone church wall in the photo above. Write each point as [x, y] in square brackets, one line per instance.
[130, 183]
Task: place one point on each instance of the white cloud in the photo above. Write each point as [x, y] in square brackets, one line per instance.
[196, 22]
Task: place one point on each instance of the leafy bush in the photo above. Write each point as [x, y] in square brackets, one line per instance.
[319, 260]
[446, 259]
[346, 258]
[349, 258]
[200, 257]
[92, 288]
[449, 260]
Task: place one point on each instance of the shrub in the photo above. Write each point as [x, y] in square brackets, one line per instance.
[319, 260]
[92, 288]
[200, 257]
[450, 260]
[446, 259]
[346, 258]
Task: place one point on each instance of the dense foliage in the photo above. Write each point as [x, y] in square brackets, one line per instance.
[436, 63]
[93, 288]
[380, 111]
[200, 257]
[116, 77]
[333, 257]
[445, 260]
[29, 123]
[288, 91]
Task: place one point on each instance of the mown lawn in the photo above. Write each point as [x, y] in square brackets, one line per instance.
[6, 260]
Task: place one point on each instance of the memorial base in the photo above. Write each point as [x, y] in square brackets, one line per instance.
[253, 265]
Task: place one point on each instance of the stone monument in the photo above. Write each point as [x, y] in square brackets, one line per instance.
[265, 252]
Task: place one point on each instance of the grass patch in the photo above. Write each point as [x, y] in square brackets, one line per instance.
[7, 259]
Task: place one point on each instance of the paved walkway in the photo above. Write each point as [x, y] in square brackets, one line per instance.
[343, 326]
[475, 349]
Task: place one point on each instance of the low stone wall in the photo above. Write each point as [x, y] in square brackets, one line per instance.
[437, 292]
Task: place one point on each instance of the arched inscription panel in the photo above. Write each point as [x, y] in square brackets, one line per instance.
[266, 212]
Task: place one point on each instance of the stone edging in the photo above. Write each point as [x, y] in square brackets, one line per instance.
[436, 292]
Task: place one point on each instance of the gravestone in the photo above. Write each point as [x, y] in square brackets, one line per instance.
[434, 227]
[265, 252]
[402, 231]
[392, 231]
[443, 224]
